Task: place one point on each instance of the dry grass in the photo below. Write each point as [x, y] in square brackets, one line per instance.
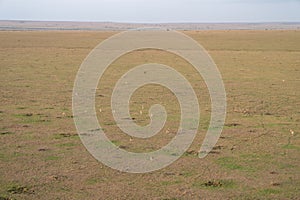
[257, 157]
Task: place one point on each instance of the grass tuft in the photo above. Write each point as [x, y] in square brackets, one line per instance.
[215, 184]
[17, 189]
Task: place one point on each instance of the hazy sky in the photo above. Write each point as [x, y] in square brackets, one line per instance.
[152, 10]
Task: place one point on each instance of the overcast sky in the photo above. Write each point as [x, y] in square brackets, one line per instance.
[152, 10]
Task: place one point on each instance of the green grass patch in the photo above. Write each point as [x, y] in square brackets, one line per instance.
[291, 146]
[30, 118]
[51, 158]
[94, 180]
[269, 191]
[17, 154]
[246, 162]
[9, 156]
[109, 123]
[4, 157]
[116, 142]
[286, 166]
[230, 163]
[255, 157]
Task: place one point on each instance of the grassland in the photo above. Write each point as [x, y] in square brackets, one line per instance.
[257, 156]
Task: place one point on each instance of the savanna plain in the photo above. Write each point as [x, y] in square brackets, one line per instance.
[256, 157]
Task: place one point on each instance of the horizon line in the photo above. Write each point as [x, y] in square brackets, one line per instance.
[129, 22]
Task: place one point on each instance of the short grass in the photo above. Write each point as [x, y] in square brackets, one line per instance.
[257, 156]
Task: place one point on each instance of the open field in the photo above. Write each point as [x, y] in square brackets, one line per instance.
[257, 156]
[60, 25]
